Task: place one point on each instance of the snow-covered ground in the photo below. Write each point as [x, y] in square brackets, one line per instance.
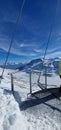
[23, 112]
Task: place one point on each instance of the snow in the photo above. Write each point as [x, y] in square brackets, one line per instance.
[23, 112]
[10, 116]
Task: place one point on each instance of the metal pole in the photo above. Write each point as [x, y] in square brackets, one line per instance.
[45, 78]
[1, 77]
[0, 81]
[12, 85]
[30, 83]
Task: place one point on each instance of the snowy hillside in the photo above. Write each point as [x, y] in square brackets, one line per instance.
[23, 112]
[35, 64]
[10, 115]
[11, 65]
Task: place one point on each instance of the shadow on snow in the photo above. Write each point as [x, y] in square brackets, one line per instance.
[37, 98]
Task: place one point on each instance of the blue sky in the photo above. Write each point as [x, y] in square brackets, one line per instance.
[33, 29]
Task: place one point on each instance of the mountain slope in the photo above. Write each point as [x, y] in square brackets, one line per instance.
[38, 64]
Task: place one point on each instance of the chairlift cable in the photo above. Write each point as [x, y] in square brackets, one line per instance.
[14, 31]
[51, 29]
[50, 33]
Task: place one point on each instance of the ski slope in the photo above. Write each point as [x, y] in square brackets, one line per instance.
[23, 112]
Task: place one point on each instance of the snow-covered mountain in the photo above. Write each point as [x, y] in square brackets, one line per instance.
[12, 57]
[11, 65]
[36, 64]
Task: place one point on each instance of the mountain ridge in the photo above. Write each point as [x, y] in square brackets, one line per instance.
[35, 64]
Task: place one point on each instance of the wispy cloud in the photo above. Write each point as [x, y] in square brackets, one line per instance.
[4, 42]
[55, 54]
[54, 49]
[23, 53]
[31, 50]
[24, 45]
[38, 50]
[32, 44]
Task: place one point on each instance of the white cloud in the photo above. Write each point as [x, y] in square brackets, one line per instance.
[50, 50]
[54, 49]
[55, 54]
[32, 54]
[22, 45]
[20, 53]
[38, 50]
[5, 42]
